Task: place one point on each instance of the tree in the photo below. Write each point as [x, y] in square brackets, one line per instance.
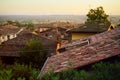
[18, 24]
[118, 25]
[10, 22]
[30, 26]
[97, 15]
[33, 53]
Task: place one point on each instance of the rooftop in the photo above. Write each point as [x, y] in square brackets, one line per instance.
[13, 46]
[95, 28]
[101, 46]
[8, 29]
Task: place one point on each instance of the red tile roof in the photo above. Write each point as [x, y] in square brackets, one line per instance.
[8, 29]
[51, 34]
[93, 27]
[13, 46]
[101, 46]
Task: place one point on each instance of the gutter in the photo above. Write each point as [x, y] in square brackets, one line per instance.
[40, 74]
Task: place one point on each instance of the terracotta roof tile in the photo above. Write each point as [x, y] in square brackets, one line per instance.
[95, 28]
[98, 49]
[8, 29]
[14, 45]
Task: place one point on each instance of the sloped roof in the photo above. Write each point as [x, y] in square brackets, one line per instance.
[43, 26]
[22, 39]
[95, 28]
[8, 29]
[101, 46]
[51, 34]
[11, 47]
[24, 32]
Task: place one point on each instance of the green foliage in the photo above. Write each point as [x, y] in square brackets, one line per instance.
[118, 25]
[34, 53]
[20, 78]
[30, 26]
[18, 24]
[69, 74]
[106, 71]
[19, 72]
[6, 74]
[10, 22]
[2, 65]
[49, 76]
[22, 71]
[97, 15]
[69, 64]
[15, 23]
[100, 71]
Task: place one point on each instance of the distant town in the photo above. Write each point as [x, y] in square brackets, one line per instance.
[36, 19]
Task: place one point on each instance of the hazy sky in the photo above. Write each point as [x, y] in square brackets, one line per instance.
[57, 6]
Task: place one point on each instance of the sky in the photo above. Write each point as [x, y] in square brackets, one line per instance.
[50, 7]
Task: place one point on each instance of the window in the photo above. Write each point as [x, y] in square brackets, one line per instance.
[50, 36]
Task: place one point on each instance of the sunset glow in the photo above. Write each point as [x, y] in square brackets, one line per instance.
[57, 6]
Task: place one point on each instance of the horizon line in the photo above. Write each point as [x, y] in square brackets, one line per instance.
[43, 14]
